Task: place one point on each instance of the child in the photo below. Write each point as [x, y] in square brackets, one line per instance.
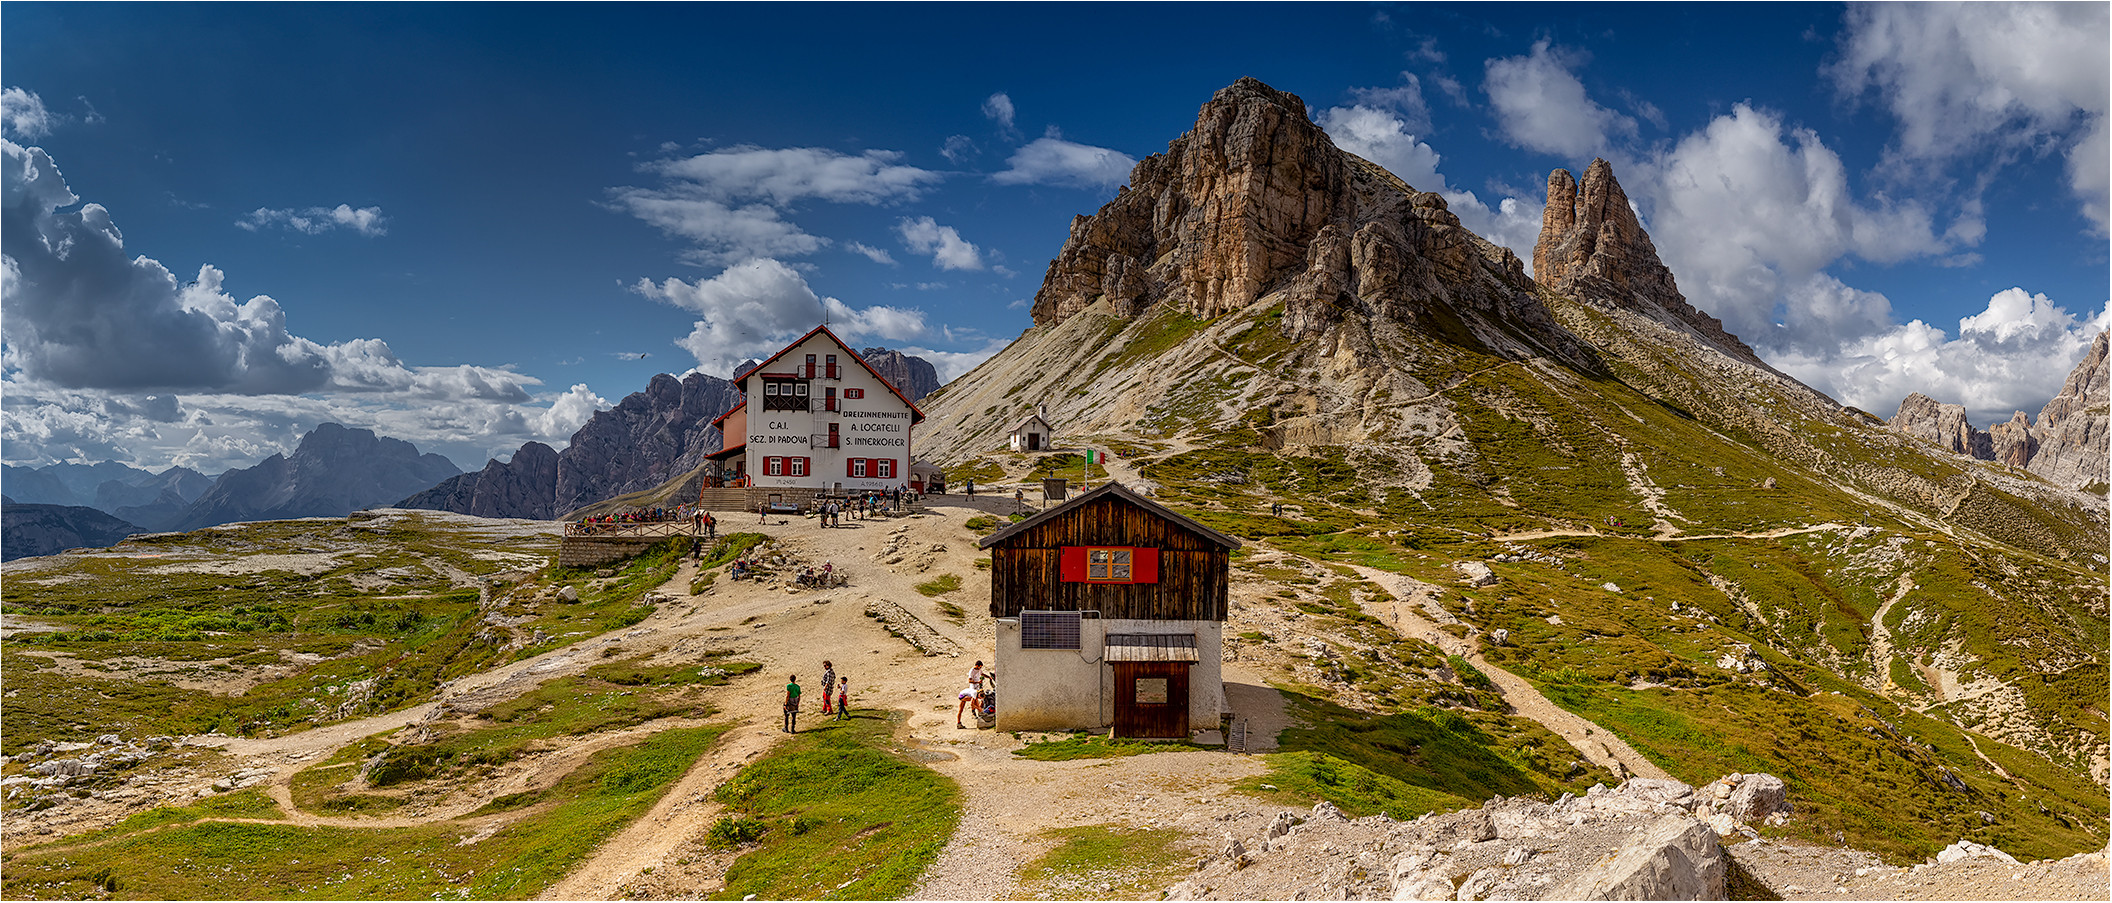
[828, 682]
[843, 698]
[792, 704]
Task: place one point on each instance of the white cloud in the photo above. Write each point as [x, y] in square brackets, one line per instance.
[1747, 219]
[568, 412]
[366, 221]
[724, 234]
[948, 250]
[1963, 77]
[1542, 106]
[731, 203]
[752, 309]
[782, 176]
[22, 114]
[1054, 161]
[952, 364]
[998, 108]
[876, 255]
[1406, 99]
[2012, 356]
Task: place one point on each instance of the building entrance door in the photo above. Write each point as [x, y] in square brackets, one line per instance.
[1033, 442]
[1151, 700]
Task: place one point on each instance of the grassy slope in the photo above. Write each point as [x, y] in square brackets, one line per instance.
[1544, 450]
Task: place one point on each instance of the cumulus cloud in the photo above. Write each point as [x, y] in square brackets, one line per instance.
[2012, 356]
[1964, 77]
[366, 221]
[952, 364]
[948, 250]
[723, 234]
[23, 115]
[1748, 213]
[98, 343]
[1053, 161]
[959, 149]
[752, 309]
[1541, 105]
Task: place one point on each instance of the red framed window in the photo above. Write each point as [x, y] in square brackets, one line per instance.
[810, 367]
[885, 468]
[798, 466]
[831, 362]
[774, 466]
[854, 393]
[858, 467]
[1108, 564]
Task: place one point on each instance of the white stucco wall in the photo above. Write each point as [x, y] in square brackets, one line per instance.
[874, 427]
[1072, 689]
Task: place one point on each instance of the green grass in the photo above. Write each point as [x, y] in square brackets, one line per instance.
[846, 817]
[1098, 862]
[1301, 778]
[940, 585]
[1472, 756]
[730, 547]
[227, 860]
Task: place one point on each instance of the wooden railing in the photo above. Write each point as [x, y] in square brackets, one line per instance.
[650, 530]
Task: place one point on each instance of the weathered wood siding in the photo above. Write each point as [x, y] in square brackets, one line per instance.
[1193, 570]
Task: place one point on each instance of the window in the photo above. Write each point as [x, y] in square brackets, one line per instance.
[854, 393]
[800, 389]
[769, 388]
[833, 440]
[774, 466]
[886, 469]
[858, 467]
[1151, 691]
[832, 366]
[1048, 630]
[1107, 564]
[810, 366]
[799, 466]
[784, 393]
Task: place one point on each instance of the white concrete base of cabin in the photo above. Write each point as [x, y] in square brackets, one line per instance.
[1074, 689]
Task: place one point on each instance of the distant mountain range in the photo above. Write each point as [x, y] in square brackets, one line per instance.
[34, 529]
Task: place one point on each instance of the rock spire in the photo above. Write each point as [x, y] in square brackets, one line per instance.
[2067, 446]
[1593, 247]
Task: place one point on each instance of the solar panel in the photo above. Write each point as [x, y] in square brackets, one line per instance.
[1048, 630]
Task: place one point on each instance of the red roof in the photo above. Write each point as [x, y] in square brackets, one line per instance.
[916, 414]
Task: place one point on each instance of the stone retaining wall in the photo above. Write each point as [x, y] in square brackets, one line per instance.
[591, 551]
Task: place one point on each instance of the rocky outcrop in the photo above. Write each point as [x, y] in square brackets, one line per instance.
[643, 441]
[1944, 425]
[28, 529]
[2067, 446]
[1593, 248]
[1643, 840]
[335, 471]
[1256, 201]
[2072, 431]
[913, 375]
[525, 486]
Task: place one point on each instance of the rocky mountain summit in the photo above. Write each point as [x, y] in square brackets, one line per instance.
[334, 471]
[155, 501]
[1593, 248]
[2067, 445]
[647, 439]
[915, 376]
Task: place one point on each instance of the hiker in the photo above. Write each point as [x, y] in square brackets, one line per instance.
[843, 698]
[828, 682]
[968, 693]
[792, 704]
[711, 527]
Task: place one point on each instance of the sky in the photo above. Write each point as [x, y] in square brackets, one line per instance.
[472, 226]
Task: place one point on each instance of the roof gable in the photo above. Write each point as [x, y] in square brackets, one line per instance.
[916, 414]
[1120, 491]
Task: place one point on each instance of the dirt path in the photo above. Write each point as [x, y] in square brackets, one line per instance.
[1415, 615]
[1664, 536]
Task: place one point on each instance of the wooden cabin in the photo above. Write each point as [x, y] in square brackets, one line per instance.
[1110, 612]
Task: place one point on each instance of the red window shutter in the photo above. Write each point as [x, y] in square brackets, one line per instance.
[848, 464]
[1144, 565]
[1070, 564]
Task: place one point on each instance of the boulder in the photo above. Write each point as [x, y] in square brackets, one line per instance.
[1676, 858]
[1755, 797]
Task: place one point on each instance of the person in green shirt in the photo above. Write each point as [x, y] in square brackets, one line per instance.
[792, 704]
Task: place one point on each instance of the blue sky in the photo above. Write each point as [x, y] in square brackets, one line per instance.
[471, 226]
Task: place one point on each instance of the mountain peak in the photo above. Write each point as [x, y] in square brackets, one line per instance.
[1592, 247]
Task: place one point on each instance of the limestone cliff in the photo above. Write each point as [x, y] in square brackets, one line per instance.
[525, 486]
[335, 471]
[915, 376]
[2067, 446]
[1256, 201]
[644, 440]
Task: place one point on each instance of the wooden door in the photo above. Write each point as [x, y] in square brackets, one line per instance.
[1151, 700]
